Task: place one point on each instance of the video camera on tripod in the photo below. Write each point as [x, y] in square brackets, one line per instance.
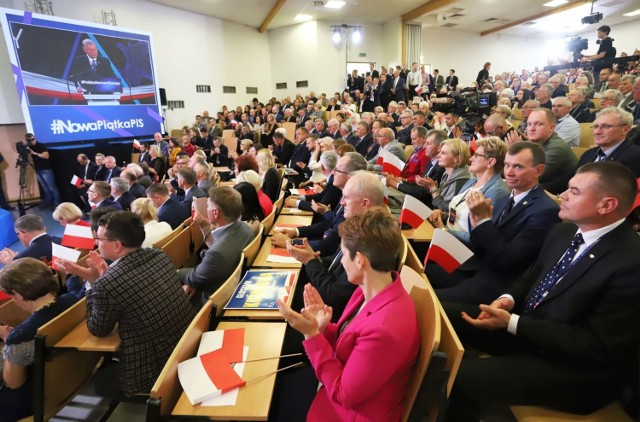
[23, 154]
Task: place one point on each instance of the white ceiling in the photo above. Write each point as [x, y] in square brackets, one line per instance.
[470, 15]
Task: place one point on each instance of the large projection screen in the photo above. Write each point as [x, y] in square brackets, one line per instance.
[81, 81]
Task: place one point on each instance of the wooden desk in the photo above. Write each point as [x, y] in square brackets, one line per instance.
[224, 169]
[263, 254]
[295, 211]
[290, 221]
[424, 233]
[79, 338]
[272, 314]
[254, 399]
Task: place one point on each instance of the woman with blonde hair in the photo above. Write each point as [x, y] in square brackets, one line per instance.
[154, 230]
[486, 166]
[453, 157]
[269, 174]
[156, 167]
[68, 213]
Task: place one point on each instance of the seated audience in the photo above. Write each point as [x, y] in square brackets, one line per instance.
[255, 180]
[567, 127]
[120, 192]
[252, 213]
[68, 213]
[563, 335]
[32, 287]
[100, 196]
[169, 209]
[267, 170]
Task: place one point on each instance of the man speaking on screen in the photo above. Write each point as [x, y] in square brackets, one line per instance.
[90, 67]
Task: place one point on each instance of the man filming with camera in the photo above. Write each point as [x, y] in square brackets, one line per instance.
[40, 156]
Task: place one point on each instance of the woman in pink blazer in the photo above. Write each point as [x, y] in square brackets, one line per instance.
[364, 361]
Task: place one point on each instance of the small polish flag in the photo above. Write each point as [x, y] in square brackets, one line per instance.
[391, 163]
[60, 252]
[414, 212]
[210, 373]
[419, 90]
[136, 144]
[447, 251]
[77, 236]
[76, 181]
[207, 376]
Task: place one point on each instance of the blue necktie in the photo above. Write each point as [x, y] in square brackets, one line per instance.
[553, 276]
[94, 65]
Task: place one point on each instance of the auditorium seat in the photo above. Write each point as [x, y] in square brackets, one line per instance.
[612, 412]
[586, 135]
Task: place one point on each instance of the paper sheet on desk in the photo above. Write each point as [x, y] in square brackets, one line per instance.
[281, 256]
[230, 398]
[291, 210]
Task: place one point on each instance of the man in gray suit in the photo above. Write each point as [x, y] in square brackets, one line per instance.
[230, 235]
[202, 175]
[387, 141]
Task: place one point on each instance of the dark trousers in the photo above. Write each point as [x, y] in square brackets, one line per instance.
[517, 374]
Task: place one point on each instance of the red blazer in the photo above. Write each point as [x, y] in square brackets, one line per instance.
[415, 165]
[364, 371]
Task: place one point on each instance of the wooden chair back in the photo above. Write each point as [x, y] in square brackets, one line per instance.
[597, 103]
[412, 260]
[586, 135]
[11, 314]
[279, 203]
[221, 296]
[290, 127]
[167, 389]
[427, 311]
[517, 113]
[160, 243]
[51, 365]
[402, 253]
[578, 151]
[178, 248]
[197, 238]
[408, 150]
[229, 139]
[251, 250]
[269, 221]
[176, 133]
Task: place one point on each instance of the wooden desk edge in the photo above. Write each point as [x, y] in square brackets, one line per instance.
[79, 338]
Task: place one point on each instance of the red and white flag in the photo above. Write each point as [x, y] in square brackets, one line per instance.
[211, 373]
[77, 236]
[391, 163]
[414, 212]
[76, 181]
[60, 252]
[419, 90]
[447, 251]
[136, 144]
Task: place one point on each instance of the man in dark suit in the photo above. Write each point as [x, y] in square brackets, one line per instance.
[302, 117]
[506, 236]
[87, 172]
[319, 129]
[301, 154]
[219, 155]
[121, 194]
[609, 133]
[90, 66]
[144, 156]
[100, 195]
[406, 120]
[452, 80]
[431, 170]
[187, 181]
[372, 71]
[283, 148]
[386, 83]
[135, 188]
[169, 210]
[100, 171]
[111, 169]
[565, 334]
[363, 139]
[32, 233]
[397, 87]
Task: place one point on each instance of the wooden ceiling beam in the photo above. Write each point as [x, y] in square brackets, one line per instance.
[272, 14]
[428, 7]
[534, 17]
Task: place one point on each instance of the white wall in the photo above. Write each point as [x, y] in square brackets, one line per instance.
[467, 52]
[189, 49]
[392, 42]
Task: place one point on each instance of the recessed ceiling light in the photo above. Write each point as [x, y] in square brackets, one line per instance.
[303, 18]
[334, 4]
[555, 3]
[634, 13]
[317, 3]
